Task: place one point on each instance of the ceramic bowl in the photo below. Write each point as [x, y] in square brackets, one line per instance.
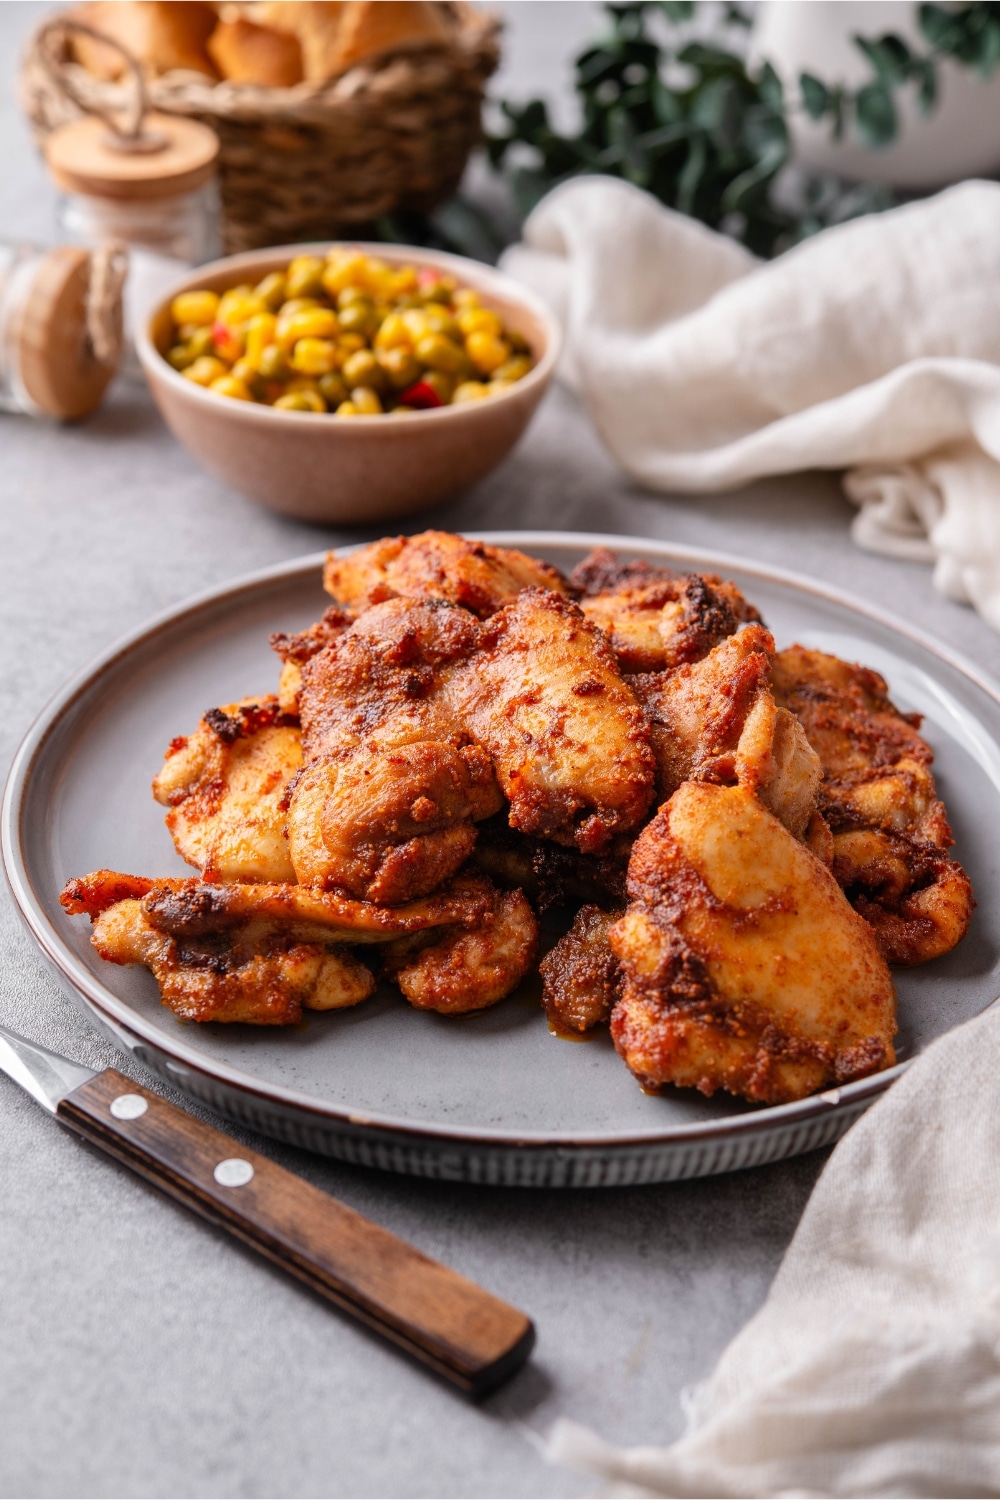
[365, 469]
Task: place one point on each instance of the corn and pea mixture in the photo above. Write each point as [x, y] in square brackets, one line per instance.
[346, 333]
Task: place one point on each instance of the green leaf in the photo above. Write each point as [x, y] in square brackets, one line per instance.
[935, 22]
[876, 115]
[770, 87]
[592, 66]
[748, 184]
[466, 226]
[815, 96]
[691, 174]
[989, 49]
[677, 11]
[925, 74]
[667, 107]
[889, 56]
[710, 59]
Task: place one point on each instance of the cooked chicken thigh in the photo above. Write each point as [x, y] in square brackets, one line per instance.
[890, 831]
[458, 969]
[745, 967]
[262, 953]
[716, 720]
[581, 977]
[393, 785]
[656, 621]
[225, 787]
[570, 744]
[436, 565]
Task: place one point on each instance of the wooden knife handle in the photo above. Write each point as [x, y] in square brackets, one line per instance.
[470, 1337]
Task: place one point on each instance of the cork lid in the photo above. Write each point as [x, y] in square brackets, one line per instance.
[171, 156]
[63, 368]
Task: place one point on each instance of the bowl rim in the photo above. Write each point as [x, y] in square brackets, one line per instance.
[156, 367]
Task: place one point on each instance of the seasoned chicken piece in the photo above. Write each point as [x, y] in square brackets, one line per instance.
[436, 565]
[656, 620]
[745, 967]
[257, 953]
[225, 787]
[581, 977]
[461, 969]
[295, 650]
[192, 908]
[393, 784]
[256, 972]
[716, 720]
[550, 874]
[890, 831]
[570, 744]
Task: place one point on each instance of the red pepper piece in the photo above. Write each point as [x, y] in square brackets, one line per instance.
[421, 396]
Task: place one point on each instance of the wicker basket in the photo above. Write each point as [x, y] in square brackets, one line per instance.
[308, 163]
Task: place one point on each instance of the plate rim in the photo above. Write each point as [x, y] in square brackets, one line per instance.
[118, 1016]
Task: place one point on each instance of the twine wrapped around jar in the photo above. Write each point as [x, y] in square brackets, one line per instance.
[308, 162]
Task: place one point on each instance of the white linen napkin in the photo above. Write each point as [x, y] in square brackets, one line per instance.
[873, 1368]
[873, 347]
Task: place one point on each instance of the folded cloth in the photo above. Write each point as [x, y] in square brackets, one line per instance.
[873, 347]
[873, 1368]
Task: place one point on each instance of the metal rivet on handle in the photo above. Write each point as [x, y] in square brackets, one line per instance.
[233, 1172]
[128, 1106]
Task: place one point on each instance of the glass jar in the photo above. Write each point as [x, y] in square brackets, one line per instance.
[153, 191]
[60, 327]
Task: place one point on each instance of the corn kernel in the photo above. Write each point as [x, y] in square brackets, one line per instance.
[365, 401]
[393, 333]
[479, 320]
[343, 268]
[465, 299]
[300, 401]
[403, 281]
[297, 304]
[441, 384]
[513, 369]
[199, 308]
[259, 333]
[347, 409]
[315, 356]
[486, 351]
[304, 276]
[239, 305]
[313, 323]
[246, 370]
[440, 320]
[359, 317]
[470, 390]
[350, 343]
[228, 385]
[206, 369]
[415, 319]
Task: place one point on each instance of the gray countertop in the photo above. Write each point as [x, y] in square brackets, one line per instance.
[143, 1353]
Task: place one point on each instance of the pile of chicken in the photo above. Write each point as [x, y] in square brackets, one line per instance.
[467, 737]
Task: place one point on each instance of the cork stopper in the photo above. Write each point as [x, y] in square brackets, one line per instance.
[171, 155]
[62, 372]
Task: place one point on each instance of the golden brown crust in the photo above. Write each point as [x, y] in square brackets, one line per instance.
[225, 789]
[258, 972]
[570, 744]
[890, 833]
[436, 565]
[581, 977]
[655, 627]
[716, 720]
[745, 968]
[461, 970]
[386, 805]
[162, 34]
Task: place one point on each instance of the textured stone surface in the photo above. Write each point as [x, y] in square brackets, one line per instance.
[142, 1352]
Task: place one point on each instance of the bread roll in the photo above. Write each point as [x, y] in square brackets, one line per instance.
[373, 26]
[245, 52]
[161, 34]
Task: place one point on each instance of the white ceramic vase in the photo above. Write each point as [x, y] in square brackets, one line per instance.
[960, 138]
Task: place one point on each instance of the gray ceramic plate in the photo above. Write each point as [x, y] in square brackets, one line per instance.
[491, 1097]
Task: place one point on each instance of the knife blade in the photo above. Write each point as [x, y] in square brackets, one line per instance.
[458, 1329]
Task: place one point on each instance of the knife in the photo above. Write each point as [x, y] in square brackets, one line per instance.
[465, 1334]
